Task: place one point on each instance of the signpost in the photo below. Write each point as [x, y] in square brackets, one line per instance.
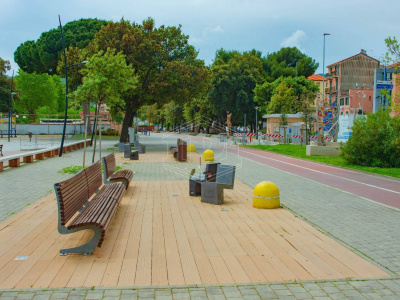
[384, 84]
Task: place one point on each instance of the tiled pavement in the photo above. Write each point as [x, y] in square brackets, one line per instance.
[369, 229]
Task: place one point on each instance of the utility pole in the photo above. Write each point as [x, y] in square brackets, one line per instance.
[244, 131]
[320, 134]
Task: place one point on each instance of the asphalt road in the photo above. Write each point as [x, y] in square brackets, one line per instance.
[381, 189]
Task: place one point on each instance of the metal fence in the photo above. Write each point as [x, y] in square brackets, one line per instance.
[40, 142]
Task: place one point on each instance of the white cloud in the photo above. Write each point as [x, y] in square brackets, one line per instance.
[295, 40]
[206, 32]
[217, 29]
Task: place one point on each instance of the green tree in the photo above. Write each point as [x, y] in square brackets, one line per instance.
[37, 90]
[60, 90]
[43, 55]
[394, 55]
[375, 141]
[199, 112]
[165, 64]
[302, 93]
[393, 47]
[232, 87]
[5, 86]
[75, 55]
[283, 63]
[173, 114]
[107, 76]
[282, 100]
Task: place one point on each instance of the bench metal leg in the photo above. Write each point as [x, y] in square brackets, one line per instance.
[88, 248]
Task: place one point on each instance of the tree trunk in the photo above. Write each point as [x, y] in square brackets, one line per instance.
[128, 119]
[86, 112]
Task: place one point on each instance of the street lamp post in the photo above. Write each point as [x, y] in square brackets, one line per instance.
[9, 106]
[66, 87]
[256, 122]
[323, 91]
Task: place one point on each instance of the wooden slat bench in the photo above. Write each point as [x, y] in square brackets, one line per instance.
[110, 175]
[1, 150]
[83, 203]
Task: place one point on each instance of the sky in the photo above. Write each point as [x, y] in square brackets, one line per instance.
[264, 25]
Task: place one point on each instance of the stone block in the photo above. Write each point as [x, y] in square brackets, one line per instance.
[14, 163]
[28, 159]
[323, 150]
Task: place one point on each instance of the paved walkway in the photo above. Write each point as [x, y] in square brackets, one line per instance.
[367, 228]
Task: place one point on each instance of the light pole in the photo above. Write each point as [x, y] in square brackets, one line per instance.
[10, 116]
[256, 122]
[9, 106]
[66, 87]
[323, 91]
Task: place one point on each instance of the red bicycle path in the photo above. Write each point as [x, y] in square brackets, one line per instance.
[369, 186]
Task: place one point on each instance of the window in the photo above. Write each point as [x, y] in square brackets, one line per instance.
[341, 113]
[347, 112]
[341, 101]
[347, 101]
[370, 98]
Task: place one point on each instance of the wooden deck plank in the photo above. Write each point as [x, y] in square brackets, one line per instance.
[159, 275]
[44, 271]
[174, 266]
[188, 263]
[203, 263]
[157, 238]
[251, 269]
[129, 264]
[114, 265]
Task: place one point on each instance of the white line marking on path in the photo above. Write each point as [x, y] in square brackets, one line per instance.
[347, 179]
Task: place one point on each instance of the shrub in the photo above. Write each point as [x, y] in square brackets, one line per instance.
[375, 141]
[109, 131]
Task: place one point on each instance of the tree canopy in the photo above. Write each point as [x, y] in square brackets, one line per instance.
[285, 94]
[38, 90]
[106, 77]
[5, 85]
[283, 63]
[232, 86]
[165, 64]
[43, 55]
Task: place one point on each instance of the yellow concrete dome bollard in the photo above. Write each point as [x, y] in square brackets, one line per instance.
[208, 155]
[266, 195]
[191, 148]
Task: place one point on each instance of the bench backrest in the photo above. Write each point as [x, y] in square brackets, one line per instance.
[211, 171]
[72, 194]
[226, 175]
[109, 165]
[93, 177]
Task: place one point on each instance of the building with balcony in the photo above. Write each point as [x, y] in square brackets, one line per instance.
[346, 77]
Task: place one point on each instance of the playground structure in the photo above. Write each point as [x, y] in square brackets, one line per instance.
[5, 123]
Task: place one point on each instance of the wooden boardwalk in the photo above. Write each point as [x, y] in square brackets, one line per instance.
[162, 236]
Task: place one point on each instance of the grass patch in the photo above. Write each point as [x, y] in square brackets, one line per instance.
[300, 152]
[103, 137]
[71, 169]
[76, 169]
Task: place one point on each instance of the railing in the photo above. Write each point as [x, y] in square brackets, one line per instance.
[330, 90]
[39, 142]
